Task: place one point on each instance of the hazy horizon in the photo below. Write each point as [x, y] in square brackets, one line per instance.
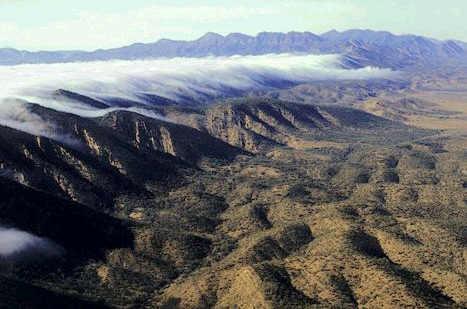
[223, 34]
[91, 25]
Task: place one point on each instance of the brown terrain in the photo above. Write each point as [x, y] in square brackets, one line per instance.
[274, 201]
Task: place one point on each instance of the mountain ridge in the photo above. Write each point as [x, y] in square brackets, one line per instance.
[360, 47]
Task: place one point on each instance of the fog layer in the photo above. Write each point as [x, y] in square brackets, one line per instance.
[137, 83]
[17, 244]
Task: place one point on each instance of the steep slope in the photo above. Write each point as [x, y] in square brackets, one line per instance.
[123, 164]
[93, 161]
[152, 135]
[17, 294]
[256, 124]
[94, 169]
[83, 232]
[252, 123]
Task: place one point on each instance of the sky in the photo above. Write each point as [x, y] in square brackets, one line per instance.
[92, 24]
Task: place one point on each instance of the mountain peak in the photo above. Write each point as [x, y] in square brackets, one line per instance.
[238, 35]
[330, 32]
[211, 36]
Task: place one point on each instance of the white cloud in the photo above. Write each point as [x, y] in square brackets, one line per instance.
[16, 114]
[178, 78]
[169, 77]
[15, 243]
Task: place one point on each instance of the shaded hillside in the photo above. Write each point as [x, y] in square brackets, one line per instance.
[16, 294]
[80, 230]
[93, 161]
[70, 96]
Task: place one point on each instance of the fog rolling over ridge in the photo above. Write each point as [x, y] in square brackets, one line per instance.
[184, 80]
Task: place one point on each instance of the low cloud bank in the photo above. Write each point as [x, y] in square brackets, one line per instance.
[16, 115]
[174, 78]
[178, 79]
[16, 244]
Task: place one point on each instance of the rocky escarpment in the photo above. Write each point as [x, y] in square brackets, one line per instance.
[153, 135]
[254, 124]
[257, 124]
[93, 170]
[93, 161]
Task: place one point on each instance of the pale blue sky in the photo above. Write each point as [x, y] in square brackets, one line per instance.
[92, 24]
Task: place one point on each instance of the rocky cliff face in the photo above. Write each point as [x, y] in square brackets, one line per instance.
[152, 135]
[260, 123]
[95, 161]
[93, 170]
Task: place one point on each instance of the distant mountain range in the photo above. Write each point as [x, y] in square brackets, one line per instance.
[359, 48]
